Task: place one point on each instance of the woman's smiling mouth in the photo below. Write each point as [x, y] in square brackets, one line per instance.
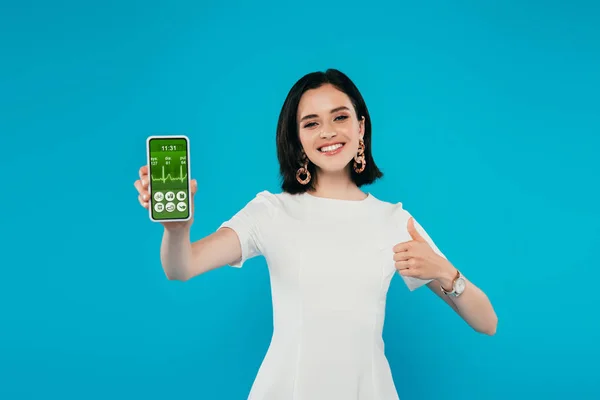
[331, 149]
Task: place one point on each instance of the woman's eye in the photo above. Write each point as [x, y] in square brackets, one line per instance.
[310, 124]
[341, 117]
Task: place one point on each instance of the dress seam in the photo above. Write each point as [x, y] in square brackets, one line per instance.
[299, 343]
[375, 339]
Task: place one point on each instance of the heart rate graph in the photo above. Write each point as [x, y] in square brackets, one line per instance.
[168, 172]
[164, 178]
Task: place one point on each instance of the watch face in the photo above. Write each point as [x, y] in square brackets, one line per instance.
[460, 285]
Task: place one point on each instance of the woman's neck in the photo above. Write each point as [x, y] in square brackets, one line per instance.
[337, 186]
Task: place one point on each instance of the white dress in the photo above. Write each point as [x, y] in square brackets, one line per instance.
[330, 264]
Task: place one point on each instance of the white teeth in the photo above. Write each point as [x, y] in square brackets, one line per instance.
[331, 148]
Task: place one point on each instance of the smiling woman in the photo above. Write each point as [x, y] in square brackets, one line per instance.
[324, 109]
[331, 250]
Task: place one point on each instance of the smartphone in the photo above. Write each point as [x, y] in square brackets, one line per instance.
[169, 178]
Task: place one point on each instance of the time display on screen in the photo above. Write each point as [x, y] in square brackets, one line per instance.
[168, 145]
[172, 147]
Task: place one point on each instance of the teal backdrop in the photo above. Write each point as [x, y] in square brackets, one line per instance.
[485, 121]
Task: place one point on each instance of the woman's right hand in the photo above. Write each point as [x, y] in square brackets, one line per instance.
[144, 197]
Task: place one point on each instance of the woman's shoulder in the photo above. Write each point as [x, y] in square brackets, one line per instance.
[268, 203]
[389, 207]
[271, 198]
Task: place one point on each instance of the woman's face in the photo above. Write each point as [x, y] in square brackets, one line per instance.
[328, 127]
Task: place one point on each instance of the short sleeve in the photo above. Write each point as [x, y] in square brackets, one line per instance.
[402, 216]
[249, 224]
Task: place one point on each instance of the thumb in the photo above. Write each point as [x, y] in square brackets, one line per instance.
[413, 231]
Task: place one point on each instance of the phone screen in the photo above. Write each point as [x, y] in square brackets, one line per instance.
[169, 182]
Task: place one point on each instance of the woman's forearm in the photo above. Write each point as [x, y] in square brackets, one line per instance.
[472, 305]
[176, 253]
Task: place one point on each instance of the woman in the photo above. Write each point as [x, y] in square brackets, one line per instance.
[331, 250]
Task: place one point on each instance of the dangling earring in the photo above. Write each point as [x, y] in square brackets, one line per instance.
[303, 171]
[360, 158]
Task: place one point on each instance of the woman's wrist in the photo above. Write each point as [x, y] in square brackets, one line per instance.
[447, 276]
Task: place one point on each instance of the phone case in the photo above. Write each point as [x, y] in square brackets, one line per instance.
[152, 202]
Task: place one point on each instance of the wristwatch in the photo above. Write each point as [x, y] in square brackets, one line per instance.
[458, 286]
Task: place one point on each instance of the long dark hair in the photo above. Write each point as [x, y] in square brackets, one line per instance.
[289, 148]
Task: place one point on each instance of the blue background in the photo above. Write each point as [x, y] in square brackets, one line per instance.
[486, 123]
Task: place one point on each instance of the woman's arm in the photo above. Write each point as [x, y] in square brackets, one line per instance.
[182, 260]
[472, 305]
[417, 258]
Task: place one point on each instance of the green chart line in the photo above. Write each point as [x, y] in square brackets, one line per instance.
[164, 178]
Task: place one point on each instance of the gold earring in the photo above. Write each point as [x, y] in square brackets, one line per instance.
[359, 159]
[303, 171]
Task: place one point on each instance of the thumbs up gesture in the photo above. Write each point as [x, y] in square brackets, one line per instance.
[417, 259]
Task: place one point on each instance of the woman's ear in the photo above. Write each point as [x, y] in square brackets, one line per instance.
[361, 127]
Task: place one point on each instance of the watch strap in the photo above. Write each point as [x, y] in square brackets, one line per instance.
[453, 291]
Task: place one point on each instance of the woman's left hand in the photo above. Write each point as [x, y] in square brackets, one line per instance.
[417, 259]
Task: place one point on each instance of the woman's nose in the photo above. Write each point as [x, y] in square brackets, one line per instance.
[328, 134]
